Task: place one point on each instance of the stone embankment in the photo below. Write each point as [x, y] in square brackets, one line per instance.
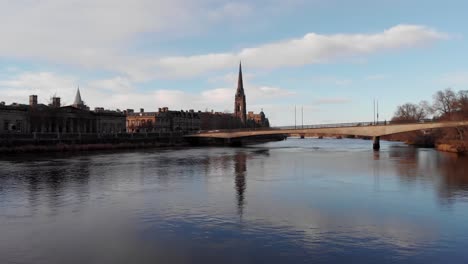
[45, 142]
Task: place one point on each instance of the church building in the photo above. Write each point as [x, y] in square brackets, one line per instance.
[240, 118]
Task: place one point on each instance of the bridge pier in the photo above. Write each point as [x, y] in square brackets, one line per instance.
[376, 145]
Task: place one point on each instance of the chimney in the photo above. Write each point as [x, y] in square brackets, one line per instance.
[56, 102]
[33, 100]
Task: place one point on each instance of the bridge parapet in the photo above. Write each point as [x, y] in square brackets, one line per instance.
[316, 126]
[359, 129]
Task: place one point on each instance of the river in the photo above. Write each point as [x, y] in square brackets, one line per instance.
[294, 201]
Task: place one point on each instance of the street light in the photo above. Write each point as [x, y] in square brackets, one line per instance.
[295, 127]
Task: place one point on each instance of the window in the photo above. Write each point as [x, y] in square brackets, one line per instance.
[5, 125]
[19, 124]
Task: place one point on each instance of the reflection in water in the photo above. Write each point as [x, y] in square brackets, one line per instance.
[240, 168]
[312, 201]
[447, 172]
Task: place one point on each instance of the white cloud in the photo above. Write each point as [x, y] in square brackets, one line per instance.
[97, 34]
[46, 84]
[101, 35]
[232, 10]
[119, 92]
[310, 49]
[117, 84]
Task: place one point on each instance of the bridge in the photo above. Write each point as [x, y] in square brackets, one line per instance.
[367, 129]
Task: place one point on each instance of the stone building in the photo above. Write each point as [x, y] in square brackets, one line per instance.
[218, 120]
[141, 122]
[54, 118]
[164, 120]
[257, 120]
[14, 118]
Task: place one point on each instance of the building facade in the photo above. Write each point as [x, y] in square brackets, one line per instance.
[257, 120]
[218, 120]
[164, 120]
[54, 118]
[14, 118]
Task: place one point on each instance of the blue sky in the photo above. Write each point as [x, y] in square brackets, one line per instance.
[331, 57]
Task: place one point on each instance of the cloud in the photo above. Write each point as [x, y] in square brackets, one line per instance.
[117, 84]
[47, 84]
[104, 35]
[120, 92]
[231, 9]
[98, 34]
[311, 49]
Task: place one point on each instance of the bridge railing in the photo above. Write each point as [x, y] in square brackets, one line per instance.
[333, 125]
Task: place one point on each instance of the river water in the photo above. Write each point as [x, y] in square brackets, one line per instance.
[294, 201]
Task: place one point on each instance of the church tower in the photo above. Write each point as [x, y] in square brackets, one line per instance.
[240, 110]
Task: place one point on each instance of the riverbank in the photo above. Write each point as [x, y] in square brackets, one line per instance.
[42, 142]
[88, 147]
[31, 143]
[433, 140]
[453, 146]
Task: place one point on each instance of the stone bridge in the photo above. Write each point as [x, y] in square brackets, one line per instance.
[357, 129]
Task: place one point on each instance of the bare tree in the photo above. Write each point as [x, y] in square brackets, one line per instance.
[410, 112]
[445, 102]
[462, 97]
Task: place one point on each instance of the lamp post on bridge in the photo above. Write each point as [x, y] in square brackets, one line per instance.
[302, 110]
[376, 112]
[295, 127]
[373, 115]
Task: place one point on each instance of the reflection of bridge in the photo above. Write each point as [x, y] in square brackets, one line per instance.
[357, 129]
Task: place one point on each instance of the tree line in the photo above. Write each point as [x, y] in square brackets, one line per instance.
[447, 105]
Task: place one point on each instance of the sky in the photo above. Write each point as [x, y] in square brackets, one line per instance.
[327, 58]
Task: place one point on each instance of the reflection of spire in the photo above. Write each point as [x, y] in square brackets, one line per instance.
[240, 168]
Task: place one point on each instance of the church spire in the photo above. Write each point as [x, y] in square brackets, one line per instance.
[240, 83]
[78, 100]
[240, 110]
